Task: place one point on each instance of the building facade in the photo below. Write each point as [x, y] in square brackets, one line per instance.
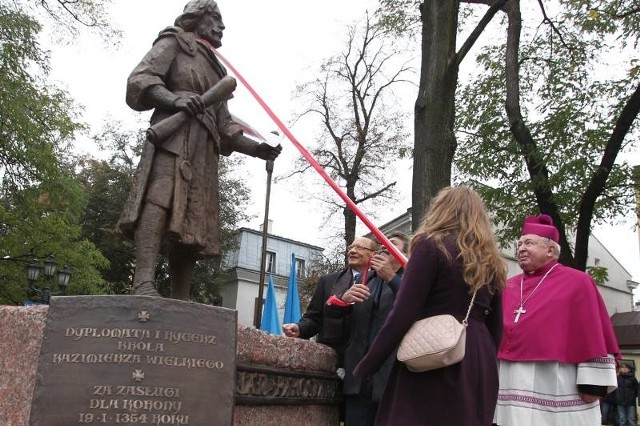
[242, 270]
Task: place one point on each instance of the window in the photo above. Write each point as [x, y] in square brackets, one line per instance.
[271, 262]
[596, 262]
[300, 272]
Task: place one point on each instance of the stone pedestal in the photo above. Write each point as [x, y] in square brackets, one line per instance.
[279, 381]
[21, 332]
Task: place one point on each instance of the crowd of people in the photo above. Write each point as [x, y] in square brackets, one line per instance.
[618, 408]
[540, 348]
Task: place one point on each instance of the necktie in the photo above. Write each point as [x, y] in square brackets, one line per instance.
[356, 278]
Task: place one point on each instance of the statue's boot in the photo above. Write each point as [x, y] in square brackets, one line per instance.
[181, 272]
[147, 238]
[145, 288]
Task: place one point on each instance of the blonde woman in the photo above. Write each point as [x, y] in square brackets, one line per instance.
[453, 254]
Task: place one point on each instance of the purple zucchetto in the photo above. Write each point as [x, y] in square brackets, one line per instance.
[542, 226]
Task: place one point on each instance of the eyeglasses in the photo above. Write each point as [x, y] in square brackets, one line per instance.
[358, 248]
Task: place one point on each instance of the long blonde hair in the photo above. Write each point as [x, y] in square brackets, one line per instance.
[460, 212]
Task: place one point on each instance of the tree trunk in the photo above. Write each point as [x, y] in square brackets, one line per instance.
[350, 220]
[435, 142]
[598, 182]
[349, 229]
[534, 160]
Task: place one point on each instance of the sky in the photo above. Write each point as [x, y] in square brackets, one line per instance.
[276, 46]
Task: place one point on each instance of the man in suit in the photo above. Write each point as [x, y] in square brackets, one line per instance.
[323, 320]
[370, 305]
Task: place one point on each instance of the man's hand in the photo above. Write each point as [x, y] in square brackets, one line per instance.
[384, 266]
[588, 398]
[291, 330]
[356, 293]
[192, 105]
[268, 152]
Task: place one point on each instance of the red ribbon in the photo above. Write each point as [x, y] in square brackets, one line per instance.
[352, 206]
[336, 301]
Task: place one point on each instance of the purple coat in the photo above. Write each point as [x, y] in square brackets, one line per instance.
[461, 394]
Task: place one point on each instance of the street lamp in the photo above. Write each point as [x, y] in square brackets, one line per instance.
[42, 295]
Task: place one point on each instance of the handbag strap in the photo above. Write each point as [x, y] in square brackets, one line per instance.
[466, 317]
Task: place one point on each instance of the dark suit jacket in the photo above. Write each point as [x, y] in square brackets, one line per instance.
[363, 322]
[320, 319]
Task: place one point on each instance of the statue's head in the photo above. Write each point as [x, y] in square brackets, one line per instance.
[203, 18]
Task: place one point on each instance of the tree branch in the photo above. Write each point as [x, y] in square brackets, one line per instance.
[534, 160]
[376, 193]
[553, 27]
[475, 34]
[597, 184]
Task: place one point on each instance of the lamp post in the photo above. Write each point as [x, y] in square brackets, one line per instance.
[263, 262]
[42, 295]
[257, 315]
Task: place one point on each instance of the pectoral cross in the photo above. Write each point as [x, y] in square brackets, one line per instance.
[519, 311]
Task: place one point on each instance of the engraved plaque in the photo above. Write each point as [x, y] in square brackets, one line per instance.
[135, 360]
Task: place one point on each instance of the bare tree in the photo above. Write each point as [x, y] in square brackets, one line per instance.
[362, 133]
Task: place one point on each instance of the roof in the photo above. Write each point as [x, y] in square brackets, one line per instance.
[626, 325]
[276, 237]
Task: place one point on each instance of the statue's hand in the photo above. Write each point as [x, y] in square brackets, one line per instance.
[268, 152]
[192, 105]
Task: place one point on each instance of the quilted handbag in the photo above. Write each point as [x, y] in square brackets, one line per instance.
[434, 342]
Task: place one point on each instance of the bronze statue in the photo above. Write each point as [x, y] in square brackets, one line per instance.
[174, 205]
